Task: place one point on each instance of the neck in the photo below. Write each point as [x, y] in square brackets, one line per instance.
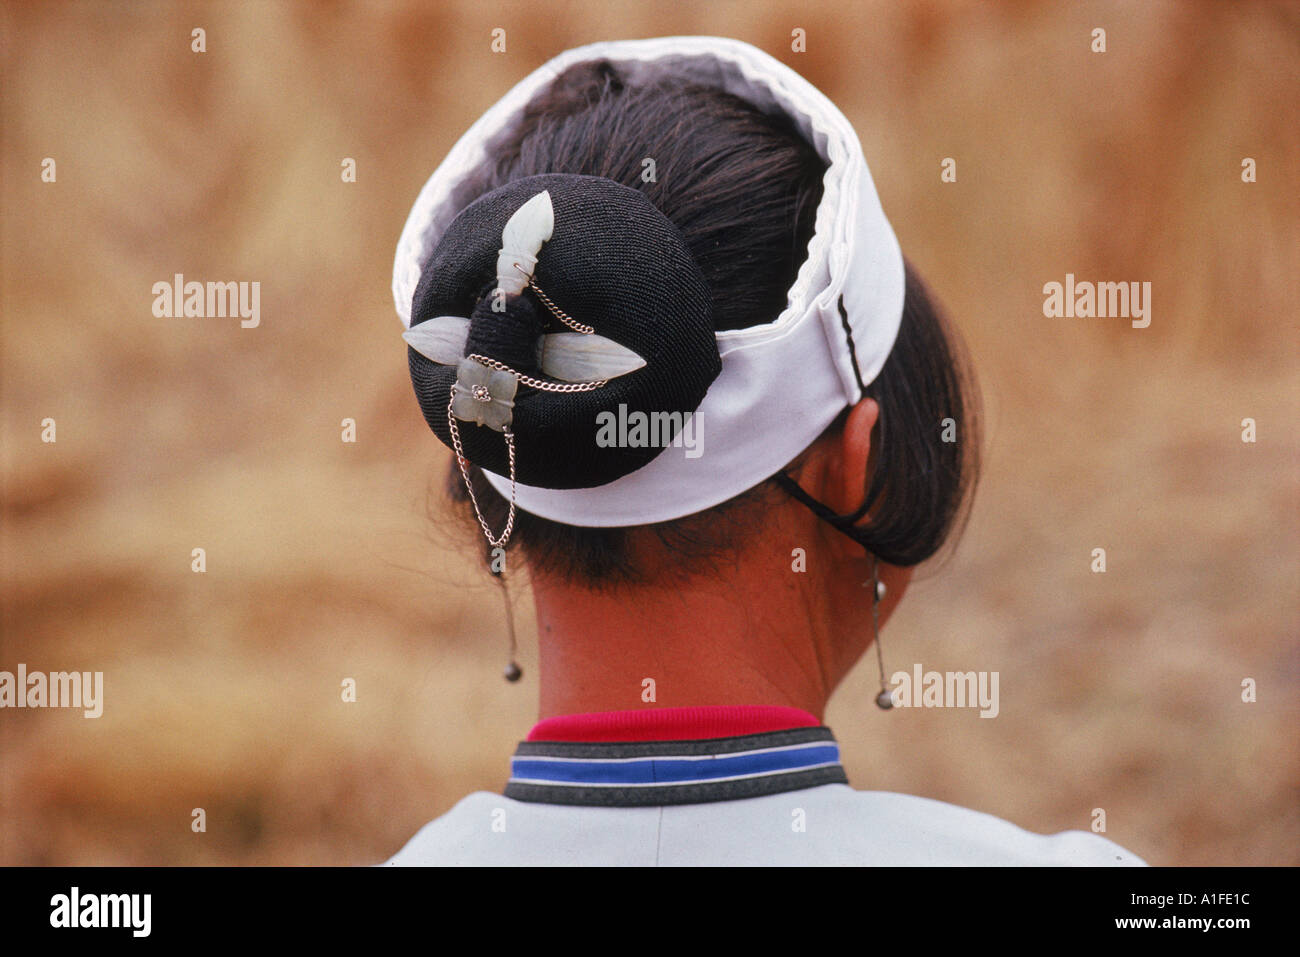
[755, 638]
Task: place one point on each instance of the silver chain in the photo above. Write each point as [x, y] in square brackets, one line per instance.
[559, 313]
[494, 541]
[499, 541]
[538, 383]
[556, 311]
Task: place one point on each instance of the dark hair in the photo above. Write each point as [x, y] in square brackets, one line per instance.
[743, 187]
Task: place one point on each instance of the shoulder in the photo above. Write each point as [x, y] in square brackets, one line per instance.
[487, 829]
[450, 838]
[922, 831]
[827, 825]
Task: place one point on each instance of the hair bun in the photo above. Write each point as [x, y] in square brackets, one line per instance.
[613, 262]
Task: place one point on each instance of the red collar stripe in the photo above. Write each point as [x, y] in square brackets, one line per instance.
[671, 724]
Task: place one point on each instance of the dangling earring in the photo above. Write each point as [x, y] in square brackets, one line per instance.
[513, 672]
[884, 700]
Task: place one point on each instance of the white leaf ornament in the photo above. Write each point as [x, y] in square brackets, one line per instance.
[531, 225]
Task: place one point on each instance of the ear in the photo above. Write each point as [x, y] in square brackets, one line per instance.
[835, 472]
[847, 460]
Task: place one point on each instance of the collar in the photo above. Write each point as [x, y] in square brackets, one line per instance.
[673, 756]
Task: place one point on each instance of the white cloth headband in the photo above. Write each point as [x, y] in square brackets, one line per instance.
[782, 383]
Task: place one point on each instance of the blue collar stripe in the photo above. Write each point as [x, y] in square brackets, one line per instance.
[669, 770]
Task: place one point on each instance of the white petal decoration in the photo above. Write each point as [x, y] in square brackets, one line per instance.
[577, 358]
[532, 225]
[484, 396]
[441, 339]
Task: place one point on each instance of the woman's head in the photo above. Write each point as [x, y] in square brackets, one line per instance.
[742, 186]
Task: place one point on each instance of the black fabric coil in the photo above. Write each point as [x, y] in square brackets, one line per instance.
[510, 335]
[614, 262]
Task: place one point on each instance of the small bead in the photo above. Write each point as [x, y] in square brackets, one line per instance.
[884, 701]
[880, 591]
[513, 672]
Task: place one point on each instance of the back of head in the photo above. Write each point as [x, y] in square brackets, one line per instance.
[742, 187]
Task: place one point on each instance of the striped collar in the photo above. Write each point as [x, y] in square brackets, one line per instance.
[634, 772]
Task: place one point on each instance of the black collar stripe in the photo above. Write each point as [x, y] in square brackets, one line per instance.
[658, 773]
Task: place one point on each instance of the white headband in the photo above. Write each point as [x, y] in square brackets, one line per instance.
[782, 383]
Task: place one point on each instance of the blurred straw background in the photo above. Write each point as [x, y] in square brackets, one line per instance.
[1119, 691]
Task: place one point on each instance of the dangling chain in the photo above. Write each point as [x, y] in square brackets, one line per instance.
[559, 313]
[875, 617]
[556, 311]
[541, 384]
[567, 387]
[884, 700]
[495, 542]
[513, 671]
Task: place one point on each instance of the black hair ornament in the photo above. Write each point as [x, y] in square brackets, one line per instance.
[485, 387]
[509, 388]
